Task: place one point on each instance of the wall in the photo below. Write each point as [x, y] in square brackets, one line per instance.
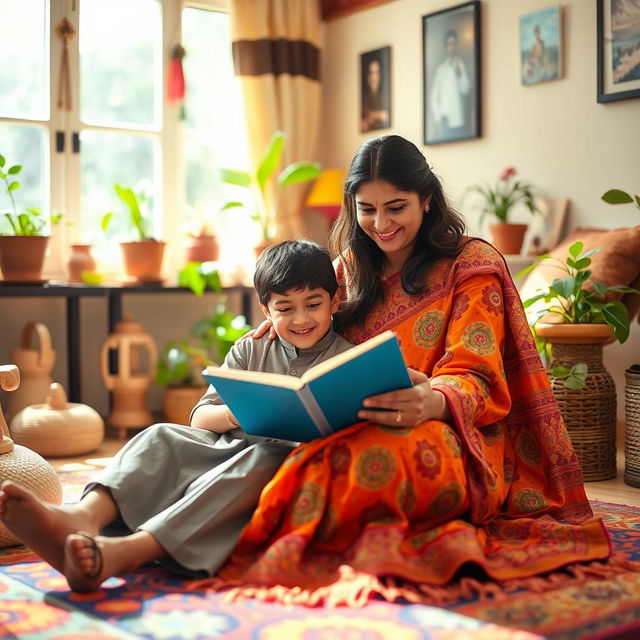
[555, 133]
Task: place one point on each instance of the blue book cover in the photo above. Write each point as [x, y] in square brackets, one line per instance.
[325, 399]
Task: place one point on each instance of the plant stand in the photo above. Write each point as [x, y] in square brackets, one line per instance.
[589, 413]
[632, 427]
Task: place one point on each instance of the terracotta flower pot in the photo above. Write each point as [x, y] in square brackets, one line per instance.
[178, 402]
[202, 249]
[508, 237]
[143, 260]
[566, 333]
[22, 257]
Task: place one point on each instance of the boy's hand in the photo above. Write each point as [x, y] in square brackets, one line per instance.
[409, 407]
[259, 332]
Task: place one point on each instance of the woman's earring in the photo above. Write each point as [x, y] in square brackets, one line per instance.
[426, 209]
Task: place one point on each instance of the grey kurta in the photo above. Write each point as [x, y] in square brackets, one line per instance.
[195, 490]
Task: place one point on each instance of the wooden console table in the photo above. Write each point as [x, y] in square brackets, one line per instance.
[114, 294]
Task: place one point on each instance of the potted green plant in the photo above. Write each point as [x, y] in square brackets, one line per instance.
[142, 257]
[498, 201]
[23, 244]
[181, 362]
[584, 389]
[259, 183]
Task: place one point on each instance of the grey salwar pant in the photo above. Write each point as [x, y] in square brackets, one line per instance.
[193, 490]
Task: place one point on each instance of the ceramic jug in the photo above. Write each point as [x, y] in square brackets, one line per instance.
[80, 260]
[35, 363]
[130, 384]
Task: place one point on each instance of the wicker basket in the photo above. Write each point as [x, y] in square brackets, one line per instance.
[632, 426]
[589, 413]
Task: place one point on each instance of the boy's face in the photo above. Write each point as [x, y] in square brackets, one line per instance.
[301, 316]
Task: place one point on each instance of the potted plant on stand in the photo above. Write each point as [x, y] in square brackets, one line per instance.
[22, 244]
[142, 257]
[632, 379]
[498, 202]
[259, 184]
[181, 362]
[584, 389]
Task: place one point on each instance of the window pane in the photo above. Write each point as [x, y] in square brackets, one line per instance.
[120, 62]
[215, 133]
[24, 145]
[108, 158]
[24, 59]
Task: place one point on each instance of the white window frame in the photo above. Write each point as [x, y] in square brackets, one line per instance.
[63, 181]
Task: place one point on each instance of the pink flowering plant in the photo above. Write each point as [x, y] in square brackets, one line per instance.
[507, 192]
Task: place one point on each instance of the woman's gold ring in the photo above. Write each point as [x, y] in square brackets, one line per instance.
[399, 416]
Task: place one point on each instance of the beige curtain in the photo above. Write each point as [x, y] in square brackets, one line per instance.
[276, 49]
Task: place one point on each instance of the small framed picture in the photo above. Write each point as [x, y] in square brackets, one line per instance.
[451, 63]
[375, 90]
[540, 46]
[618, 44]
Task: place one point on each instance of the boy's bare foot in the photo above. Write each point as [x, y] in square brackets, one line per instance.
[89, 560]
[40, 526]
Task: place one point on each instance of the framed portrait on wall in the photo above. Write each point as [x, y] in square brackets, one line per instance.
[618, 34]
[451, 69]
[541, 46]
[375, 89]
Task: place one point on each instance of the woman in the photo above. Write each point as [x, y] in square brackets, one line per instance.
[471, 465]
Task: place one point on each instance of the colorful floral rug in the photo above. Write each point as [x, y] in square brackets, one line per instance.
[35, 602]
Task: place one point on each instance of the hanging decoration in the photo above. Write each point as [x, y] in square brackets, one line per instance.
[176, 83]
[65, 31]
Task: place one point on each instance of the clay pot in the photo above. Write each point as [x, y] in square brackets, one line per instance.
[566, 333]
[202, 249]
[22, 257]
[178, 402]
[80, 260]
[35, 364]
[143, 260]
[58, 427]
[508, 237]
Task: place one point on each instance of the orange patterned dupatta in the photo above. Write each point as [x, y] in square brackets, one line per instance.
[500, 488]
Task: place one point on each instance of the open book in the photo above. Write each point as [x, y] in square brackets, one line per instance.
[325, 399]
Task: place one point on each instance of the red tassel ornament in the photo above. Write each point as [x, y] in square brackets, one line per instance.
[176, 84]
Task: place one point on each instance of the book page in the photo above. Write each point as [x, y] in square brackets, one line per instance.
[259, 377]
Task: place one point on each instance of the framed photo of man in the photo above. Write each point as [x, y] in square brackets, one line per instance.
[375, 90]
[451, 64]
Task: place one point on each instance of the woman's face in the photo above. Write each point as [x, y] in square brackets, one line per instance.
[390, 217]
[373, 76]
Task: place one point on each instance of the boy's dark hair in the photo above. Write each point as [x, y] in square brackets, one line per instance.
[293, 264]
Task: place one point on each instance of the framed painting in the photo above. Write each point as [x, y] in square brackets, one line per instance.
[451, 65]
[375, 90]
[541, 46]
[618, 45]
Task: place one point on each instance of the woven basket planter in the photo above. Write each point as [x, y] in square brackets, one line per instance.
[632, 426]
[588, 413]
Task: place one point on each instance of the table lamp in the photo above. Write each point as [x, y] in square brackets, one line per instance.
[326, 193]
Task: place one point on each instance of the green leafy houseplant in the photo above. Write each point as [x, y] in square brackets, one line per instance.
[30, 222]
[182, 361]
[133, 200]
[617, 196]
[498, 201]
[257, 183]
[570, 299]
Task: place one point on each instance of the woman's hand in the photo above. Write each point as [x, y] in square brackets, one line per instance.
[259, 332]
[409, 407]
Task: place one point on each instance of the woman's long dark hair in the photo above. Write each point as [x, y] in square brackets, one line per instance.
[400, 163]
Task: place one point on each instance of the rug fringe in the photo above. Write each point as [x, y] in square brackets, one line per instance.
[356, 589]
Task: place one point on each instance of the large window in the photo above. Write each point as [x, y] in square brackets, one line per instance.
[118, 127]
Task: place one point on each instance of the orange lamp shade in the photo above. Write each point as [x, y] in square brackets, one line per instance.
[326, 193]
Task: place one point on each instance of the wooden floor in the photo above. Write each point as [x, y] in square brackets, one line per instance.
[614, 490]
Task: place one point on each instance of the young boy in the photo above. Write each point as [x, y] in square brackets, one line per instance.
[178, 494]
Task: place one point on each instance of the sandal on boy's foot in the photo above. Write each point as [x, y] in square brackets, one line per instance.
[98, 562]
